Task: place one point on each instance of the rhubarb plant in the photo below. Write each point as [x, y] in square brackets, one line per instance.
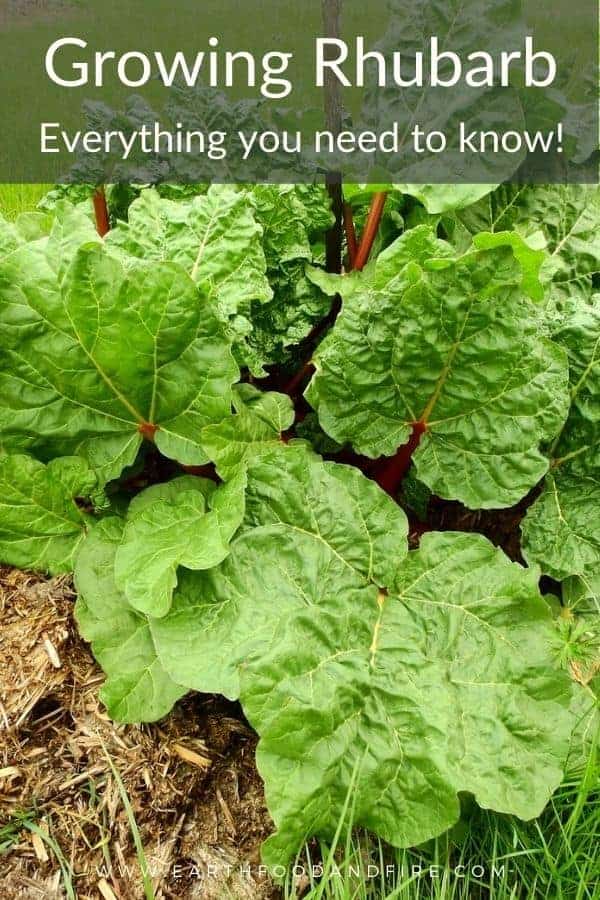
[164, 393]
[447, 348]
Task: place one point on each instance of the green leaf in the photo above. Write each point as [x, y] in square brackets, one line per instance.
[259, 421]
[567, 215]
[214, 237]
[309, 526]
[92, 362]
[28, 226]
[137, 687]
[285, 222]
[9, 237]
[578, 446]
[529, 254]
[186, 522]
[72, 227]
[41, 526]
[294, 219]
[581, 594]
[561, 531]
[441, 198]
[393, 270]
[298, 305]
[444, 686]
[454, 345]
[584, 741]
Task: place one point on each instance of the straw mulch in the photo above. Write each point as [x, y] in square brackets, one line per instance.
[191, 781]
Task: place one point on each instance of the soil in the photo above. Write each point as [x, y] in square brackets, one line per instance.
[191, 780]
[500, 526]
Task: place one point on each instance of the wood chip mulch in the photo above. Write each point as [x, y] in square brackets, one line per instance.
[191, 780]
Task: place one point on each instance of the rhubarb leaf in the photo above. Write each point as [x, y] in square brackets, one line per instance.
[258, 422]
[41, 526]
[137, 687]
[294, 220]
[451, 344]
[561, 531]
[568, 217]
[215, 237]
[28, 226]
[309, 527]
[442, 198]
[92, 362]
[528, 252]
[581, 594]
[187, 522]
[444, 686]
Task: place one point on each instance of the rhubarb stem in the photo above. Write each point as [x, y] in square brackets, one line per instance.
[371, 229]
[101, 211]
[392, 471]
[148, 430]
[295, 383]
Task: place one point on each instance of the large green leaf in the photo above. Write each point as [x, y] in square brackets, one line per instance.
[443, 686]
[453, 345]
[41, 526]
[215, 237]
[562, 529]
[309, 527]
[137, 687]
[186, 522]
[93, 361]
[568, 217]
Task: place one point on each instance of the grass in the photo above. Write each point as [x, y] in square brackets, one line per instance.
[17, 198]
[53, 846]
[135, 834]
[11, 833]
[486, 857]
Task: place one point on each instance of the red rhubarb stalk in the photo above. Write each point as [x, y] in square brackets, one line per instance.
[295, 383]
[371, 229]
[147, 430]
[390, 474]
[101, 212]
